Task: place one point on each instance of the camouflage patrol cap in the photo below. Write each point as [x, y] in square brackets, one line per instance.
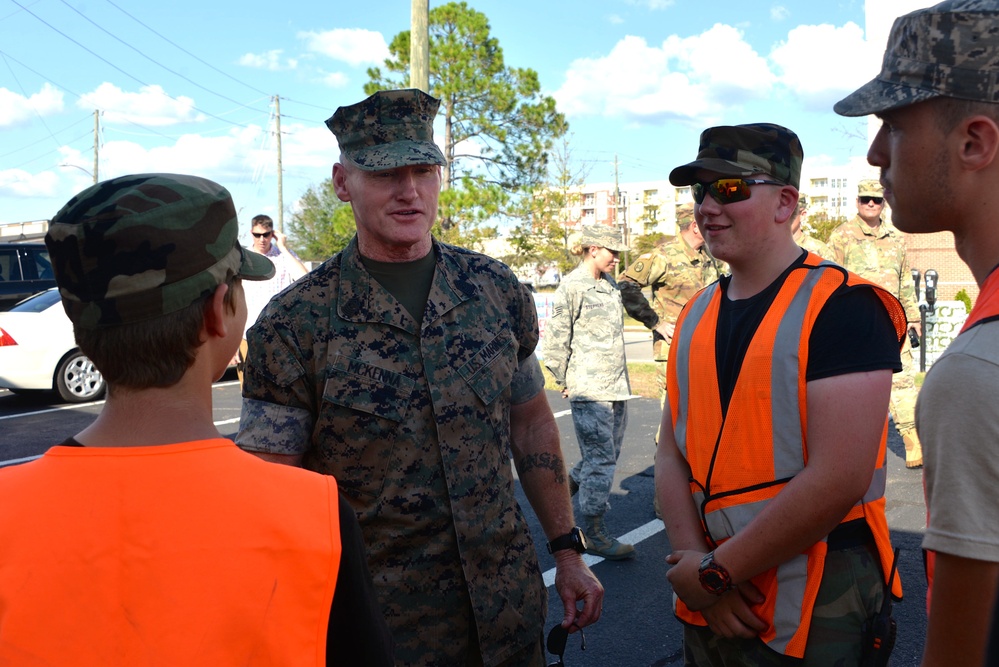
[870, 187]
[684, 215]
[392, 128]
[802, 200]
[602, 236]
[949, 50]
[744, 150]
[137, 247]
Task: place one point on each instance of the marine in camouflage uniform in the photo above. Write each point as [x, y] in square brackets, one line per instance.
[415, 404]
[877, 252]
[584, 350]
[675, 271]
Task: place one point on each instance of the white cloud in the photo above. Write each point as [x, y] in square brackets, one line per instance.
[820, 64]
[685, 78]
[150, 106]
[336, 80]
[16, 109]
[780, 13]
[268, 60]
[353, 46]
[19, 183]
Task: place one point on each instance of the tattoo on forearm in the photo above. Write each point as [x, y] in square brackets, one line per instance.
[544, 461]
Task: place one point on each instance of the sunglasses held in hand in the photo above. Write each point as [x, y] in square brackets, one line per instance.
[728, 190]
[557, 639]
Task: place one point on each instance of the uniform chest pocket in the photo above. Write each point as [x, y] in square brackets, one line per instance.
[373, 390]
[490, 370]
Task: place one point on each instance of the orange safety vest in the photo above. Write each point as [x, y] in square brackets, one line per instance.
[731, 482]
[194, 553]
[986, 309]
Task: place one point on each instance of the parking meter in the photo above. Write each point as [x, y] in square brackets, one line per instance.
[931, 288]
[915, 281]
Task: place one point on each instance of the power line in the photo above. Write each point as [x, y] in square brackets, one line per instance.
[108, 62]
[156, 62]
[71, 92]
[209, 65]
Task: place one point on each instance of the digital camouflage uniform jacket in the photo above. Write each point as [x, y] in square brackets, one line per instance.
[675, 272]
[415, 426]
[877, 255]
[584, 338]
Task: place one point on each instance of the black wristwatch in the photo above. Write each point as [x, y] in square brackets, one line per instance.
[713, 577]
[572, 540]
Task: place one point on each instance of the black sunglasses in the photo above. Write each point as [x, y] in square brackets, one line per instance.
[727, 190]
[868, 200]
[262, 235]
[557, 639]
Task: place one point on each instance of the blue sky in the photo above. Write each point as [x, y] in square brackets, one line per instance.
[186, 86]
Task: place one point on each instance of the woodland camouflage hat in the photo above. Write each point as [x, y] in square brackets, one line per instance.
[602, 236]
[137, 247]
[392, 128]
[744, 150]
[949, 50]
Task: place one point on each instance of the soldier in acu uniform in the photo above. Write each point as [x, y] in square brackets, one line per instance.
[406, 367]
[584, 350]
[675, 271]
[872, 248]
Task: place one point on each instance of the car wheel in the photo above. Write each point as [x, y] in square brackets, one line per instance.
[78, 380]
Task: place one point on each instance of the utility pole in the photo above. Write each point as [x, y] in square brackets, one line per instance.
[280, 169]
[97, 143]
[419, 46]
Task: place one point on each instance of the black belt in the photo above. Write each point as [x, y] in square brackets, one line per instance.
[850, 535]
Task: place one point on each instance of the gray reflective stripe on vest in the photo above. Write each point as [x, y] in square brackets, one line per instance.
[791, 578]
[696, 311]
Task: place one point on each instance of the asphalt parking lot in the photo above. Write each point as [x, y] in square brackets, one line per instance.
[637, 627]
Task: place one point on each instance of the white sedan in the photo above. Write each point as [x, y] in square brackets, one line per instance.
[38, 352]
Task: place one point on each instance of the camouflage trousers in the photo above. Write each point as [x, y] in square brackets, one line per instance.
[904, 393]
[851, 591]
[600, 431]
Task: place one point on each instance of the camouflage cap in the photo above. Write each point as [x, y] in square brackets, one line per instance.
[949, 50]
[802, 200]
[685, 215]
[137, 247]
[392, 128]
[602, 236]
[870, 187]
[744, 150]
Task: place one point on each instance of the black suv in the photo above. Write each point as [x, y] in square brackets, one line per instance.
[25, 269]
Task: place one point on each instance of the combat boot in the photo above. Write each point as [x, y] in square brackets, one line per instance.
[913, 450]
[599, 543]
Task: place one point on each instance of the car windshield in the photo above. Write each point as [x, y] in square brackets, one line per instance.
[38, 302]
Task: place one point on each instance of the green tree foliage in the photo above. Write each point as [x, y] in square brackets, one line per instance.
[498, 127]
[323, 224]
[548, 232]
[964, 298]
[822, 225]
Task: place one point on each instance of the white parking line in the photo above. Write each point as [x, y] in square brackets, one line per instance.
[632, 537]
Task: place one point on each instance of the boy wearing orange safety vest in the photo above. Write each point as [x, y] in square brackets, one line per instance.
[938, 151]
[771, 464]
[147, 538]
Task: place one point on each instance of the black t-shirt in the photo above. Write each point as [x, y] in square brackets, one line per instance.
[408, 282]
[853, 333]
[356, 633]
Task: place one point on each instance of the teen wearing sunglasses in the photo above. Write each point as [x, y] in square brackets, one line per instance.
[778, 383]
[871, 247]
